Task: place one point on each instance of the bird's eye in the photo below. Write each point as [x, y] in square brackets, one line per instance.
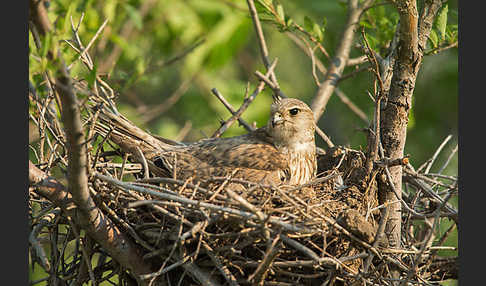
[294, 111]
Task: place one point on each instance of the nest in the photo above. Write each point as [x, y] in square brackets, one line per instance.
[279, 235]
[326, 232]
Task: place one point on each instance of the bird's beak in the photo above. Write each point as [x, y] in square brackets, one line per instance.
[277, 119]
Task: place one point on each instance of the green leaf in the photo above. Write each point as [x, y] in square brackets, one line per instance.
[289, 22]
[365, 24]
[268, 3]
[308, 24]
[451, 33]
[434, 39]
[263, 6]
[313, 28]
[442, 21]
[316, 29]
[280, 12]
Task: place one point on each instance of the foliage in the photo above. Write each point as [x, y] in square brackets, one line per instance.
[228, 55]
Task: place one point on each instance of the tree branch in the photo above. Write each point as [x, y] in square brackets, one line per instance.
[337, 65]
[394, 120]
[105, 232]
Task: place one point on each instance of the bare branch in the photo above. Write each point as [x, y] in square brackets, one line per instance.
[261, 39]
[340, 59]
[223, 100]
[408, 54]
[105, 232]
[245, 104]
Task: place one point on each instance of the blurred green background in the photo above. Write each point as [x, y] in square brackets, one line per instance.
[154, 49]
[164, 57]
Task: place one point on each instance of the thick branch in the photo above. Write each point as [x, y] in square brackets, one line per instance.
[89, 216]
[408, 58]
[77, 167]
[76, 200]
[38, 15]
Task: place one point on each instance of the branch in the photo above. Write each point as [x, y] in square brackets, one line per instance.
[115, 242]
[76, 200]
[38, 15]
[261, 38]
[426, 20]
[318, 63]
[340, 60]
[407, 61]
[77, 162]
[245, 104]
[228, 106]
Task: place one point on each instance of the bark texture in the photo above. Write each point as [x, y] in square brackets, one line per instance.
[413, 32]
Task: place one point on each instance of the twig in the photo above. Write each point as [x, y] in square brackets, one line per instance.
[353, 73]
[441, 49]
[41, 254]
[313, 64]
[376, 138]
[324, 137]
[228, 276]
[425, 243]
[144, 162]
[261, 39]
[313, 39]
[184, 131]
[432, 160]
[271, 253]
[357, 61]
[120, 247]
[221, 98]
[245, 104]
[127, 186]
[320, 66]
[448, 160]
[379, 233]
[98, 32]
[177, 57]
[162, 268]
[153, 113]
[125, 158]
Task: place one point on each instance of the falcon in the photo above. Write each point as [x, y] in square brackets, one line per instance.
[282, 152]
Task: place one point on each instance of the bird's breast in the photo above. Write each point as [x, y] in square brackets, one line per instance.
[302, 163]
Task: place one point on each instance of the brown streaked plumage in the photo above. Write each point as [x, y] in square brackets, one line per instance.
[282, 152]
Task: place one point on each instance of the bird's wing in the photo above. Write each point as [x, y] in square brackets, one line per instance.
[252, 151]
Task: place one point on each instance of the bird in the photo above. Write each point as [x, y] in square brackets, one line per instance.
[282, 152]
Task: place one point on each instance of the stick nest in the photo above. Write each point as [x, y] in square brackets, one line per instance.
[326, 232]
[256, 233]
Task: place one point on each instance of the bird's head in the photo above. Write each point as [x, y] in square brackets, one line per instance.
[291, 123]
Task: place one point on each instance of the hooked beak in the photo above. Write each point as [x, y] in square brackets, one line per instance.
[277, 119]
